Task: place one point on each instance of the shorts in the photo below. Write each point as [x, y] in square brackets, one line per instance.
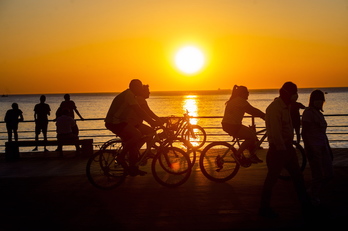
[116, 128]
[231, 129]
[41, 126]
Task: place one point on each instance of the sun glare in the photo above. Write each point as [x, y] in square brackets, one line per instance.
[189, 59]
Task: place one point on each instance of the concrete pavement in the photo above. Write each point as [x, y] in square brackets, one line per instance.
[51, 193]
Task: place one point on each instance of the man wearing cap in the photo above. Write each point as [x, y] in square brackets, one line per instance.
[281, 153]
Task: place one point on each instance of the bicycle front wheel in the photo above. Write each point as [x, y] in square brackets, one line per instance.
[171, 167]
[217, 162]
[196, 135]
[104, 171]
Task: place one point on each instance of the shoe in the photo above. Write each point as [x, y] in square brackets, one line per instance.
[245, 162]
[134, 171]
[267, 212]
[254, 159]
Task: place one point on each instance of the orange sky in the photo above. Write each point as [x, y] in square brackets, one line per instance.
[75, 46]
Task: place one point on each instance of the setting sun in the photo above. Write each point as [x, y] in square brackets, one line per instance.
[189, 59]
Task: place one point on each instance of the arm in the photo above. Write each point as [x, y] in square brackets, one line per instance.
[147, 109]
[254, 111]
[78, 113]
[21, 118]
[143, 114]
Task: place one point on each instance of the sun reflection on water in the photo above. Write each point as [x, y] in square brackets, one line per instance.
[190, 104]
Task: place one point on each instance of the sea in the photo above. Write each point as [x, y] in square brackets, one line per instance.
[206, 106]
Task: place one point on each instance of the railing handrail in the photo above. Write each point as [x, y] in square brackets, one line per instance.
[210, 132]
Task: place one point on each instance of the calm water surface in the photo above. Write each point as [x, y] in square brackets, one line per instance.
[202, 103]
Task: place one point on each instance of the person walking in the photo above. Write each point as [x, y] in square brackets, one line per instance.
[281, 153]
[41, 113]
[12, 118]
[317, 147]
[296, 118]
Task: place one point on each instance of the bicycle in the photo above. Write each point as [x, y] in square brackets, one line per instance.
[108, 167]
[192, 136]
[219, 163]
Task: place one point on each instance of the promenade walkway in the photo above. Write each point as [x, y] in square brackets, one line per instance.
[51, 193]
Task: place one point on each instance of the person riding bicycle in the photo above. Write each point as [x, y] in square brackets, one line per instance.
[235, 109]
[143, 128]
[120, 121]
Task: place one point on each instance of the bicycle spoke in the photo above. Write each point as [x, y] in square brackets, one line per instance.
[217, 162]
[171, 167]
[104, 171]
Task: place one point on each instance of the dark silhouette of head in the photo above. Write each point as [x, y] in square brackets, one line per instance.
[317, 99]
[146, 91]
[14, 106]
[67, 97]
[288, 92]
[42, 98]
[240, 91]
[136, 86]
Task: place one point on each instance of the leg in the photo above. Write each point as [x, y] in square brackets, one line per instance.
[37, 132]
[293, 168]
[36, 139]
[131, 137]
[321, 168]
[9, 132]
[147, 131]
[275, 162]
[15, 134]
[44, 132]
[249, 143]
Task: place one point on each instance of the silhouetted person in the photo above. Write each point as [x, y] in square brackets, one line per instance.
[235, 109]
[316, 144]
[121, 121]
[143, 128]
[41, 113]
[296, 118]
[71, 107]
[12, 118]
[64, 127]
[281, 153]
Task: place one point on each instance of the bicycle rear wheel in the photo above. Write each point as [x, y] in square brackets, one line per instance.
[302, 160]
[196, 135]
[217, 162]
[104, 171]
[171, 167]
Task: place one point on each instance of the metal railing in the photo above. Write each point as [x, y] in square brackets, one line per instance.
[93, 128]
